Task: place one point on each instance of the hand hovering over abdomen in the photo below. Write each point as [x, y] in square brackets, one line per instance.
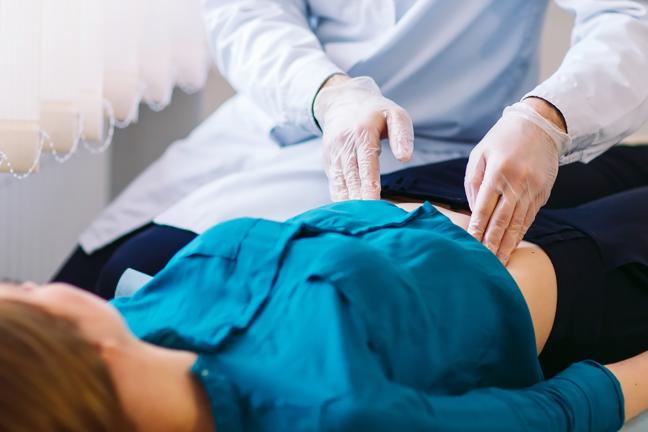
[354, 117]
[511, 172]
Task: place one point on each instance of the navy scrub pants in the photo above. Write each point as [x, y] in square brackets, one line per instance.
[146, 250]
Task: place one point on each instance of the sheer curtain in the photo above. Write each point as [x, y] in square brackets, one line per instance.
[20, 48]
[60, 74]
[72, 70]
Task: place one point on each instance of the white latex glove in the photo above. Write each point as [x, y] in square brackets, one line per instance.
[510, 175]
[354, 117]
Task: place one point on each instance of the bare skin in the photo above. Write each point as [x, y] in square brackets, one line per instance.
[633, 376]
[177, 401]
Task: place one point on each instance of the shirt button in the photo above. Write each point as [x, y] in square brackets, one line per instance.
[204, 373]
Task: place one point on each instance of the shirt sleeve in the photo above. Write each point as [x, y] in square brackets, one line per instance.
[584, 398]
[600, 86]
[267, 50]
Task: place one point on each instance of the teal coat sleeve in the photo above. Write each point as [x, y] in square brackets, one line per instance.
[578, 400]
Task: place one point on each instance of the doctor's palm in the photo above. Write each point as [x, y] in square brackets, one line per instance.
[355, 116]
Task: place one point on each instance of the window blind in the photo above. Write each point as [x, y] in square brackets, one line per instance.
[72, 70]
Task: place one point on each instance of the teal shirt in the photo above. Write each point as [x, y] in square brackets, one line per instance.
[361, 316]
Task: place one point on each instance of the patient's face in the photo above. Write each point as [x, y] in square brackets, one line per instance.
[98, 321]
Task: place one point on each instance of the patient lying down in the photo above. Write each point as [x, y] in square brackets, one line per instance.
[356, 316]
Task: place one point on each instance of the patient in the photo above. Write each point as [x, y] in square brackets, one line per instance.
[355, 316]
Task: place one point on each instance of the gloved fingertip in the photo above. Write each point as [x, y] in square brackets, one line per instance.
[491, 247]
[405, 149]
[504, 256]
[355, 195]
[337, 196]
[475, 231]
[404, 156]
[371, 194]
[402, 144]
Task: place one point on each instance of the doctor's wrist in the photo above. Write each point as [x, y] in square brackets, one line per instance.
[548, 111]
[532, 120]
[333, 80]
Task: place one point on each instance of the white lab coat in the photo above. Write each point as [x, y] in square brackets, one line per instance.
[453, 65]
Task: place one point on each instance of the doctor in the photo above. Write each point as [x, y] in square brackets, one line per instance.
[371, 86]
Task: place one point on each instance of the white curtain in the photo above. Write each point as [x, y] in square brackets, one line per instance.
[60, 74]
[156, 67]
[121, 64]
[91, 71]
[71, 70]
[20, 43]
[189, 58]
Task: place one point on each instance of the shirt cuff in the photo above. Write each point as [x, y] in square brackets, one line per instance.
[595, 391]
[564, 93]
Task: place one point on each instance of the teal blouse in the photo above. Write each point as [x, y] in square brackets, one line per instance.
[359, 316]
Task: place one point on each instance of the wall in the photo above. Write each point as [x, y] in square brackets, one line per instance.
[41, 217]
[555, 39]
[137, 146]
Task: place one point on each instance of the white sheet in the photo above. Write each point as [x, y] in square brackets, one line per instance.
[639, 424]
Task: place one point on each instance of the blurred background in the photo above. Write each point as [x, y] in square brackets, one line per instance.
[41, 217]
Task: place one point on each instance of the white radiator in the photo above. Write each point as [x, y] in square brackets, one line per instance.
[42, 216]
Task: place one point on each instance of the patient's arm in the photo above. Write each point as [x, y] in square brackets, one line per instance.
[633, 377]
[533, 272]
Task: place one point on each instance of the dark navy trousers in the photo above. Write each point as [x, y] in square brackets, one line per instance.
[147, 250]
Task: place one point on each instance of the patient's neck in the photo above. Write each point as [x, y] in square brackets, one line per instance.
[157, 388]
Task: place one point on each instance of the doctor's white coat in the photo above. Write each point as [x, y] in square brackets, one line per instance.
[453, 65]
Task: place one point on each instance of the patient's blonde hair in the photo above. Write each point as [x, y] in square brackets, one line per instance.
[51, 379]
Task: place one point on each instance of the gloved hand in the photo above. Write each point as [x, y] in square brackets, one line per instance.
[510, 175]
[354, 117]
